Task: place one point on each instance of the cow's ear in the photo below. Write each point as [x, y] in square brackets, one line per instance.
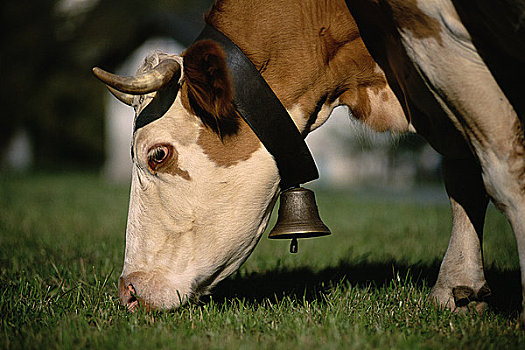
[209, 87]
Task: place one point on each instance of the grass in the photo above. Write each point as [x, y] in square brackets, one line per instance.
[365, 287]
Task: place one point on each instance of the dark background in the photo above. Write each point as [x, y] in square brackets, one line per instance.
[48, 50]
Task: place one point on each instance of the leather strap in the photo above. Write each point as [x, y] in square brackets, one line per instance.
[265, 114]
[158, 106]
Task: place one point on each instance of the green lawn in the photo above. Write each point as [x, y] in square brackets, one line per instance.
[364, 287]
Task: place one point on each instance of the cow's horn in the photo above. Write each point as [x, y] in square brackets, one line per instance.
[121, 96]
[144, 83]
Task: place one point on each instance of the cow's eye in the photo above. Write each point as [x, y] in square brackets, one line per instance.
[157, 155]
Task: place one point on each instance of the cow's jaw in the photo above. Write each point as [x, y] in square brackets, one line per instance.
[194, 225]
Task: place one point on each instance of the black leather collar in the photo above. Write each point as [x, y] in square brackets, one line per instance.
[265, 114]
[158, 106]
[259, 107]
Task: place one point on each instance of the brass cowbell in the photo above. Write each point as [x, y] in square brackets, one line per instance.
[298, 217]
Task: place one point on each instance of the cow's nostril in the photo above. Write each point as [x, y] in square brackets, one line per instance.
[132, 301]
[127, 295]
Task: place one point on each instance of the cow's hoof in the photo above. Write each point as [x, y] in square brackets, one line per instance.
[461, 299]
[477, 307]
[442, 298]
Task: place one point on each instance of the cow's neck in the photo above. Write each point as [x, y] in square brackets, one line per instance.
[298, 46]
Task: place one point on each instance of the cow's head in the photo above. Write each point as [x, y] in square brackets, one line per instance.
[203, 185]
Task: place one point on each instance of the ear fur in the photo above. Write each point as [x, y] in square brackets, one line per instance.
[209, 87]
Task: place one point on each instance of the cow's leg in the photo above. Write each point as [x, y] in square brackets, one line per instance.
[461, 279]
[504, 177]
[468, 93]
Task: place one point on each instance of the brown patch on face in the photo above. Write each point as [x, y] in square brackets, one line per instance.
[163, 158]
[408, 16]
[232, 149]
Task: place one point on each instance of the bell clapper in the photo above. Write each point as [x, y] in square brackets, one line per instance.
[294, 246]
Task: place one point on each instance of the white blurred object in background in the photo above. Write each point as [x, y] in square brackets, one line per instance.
[119, 117]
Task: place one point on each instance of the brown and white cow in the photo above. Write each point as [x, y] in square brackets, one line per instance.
[203, 185]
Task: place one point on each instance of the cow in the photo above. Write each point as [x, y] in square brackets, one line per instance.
[203, 185]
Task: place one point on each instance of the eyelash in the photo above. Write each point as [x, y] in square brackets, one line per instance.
[157, 155]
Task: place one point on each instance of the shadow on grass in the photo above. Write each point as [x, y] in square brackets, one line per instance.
[305, 284]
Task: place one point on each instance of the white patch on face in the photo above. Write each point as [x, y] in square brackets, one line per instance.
[184, 236]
